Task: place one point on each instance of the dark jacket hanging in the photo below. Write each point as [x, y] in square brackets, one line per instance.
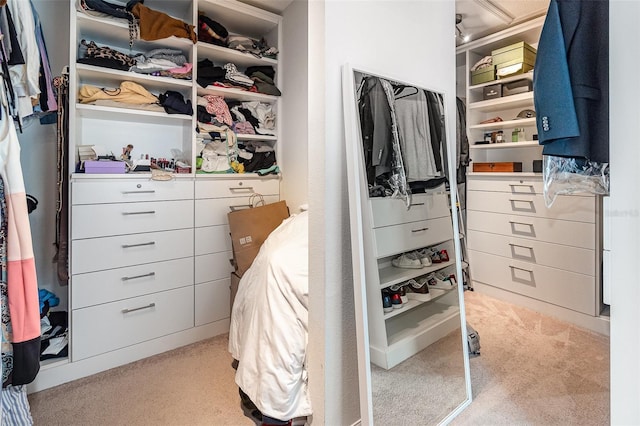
[571, 80]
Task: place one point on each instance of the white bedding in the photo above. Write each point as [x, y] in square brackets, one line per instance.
[268, 334]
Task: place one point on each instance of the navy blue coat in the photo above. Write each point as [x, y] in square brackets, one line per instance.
[571, 80]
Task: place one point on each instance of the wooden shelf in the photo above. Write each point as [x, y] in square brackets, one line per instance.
[391, 275]
[237, 94]
[434, 293]
[90, 73]
[504, 145]
[224, 55]
[525, 122]
[128, 115]
[520, 100]
[436, 314]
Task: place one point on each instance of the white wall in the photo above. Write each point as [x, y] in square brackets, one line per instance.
[38, 153]
[625, 213]
[410, 40]
[294, 65]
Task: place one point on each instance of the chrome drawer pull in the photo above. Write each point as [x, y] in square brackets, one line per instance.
[128, 311]
[132, 213]
[124, 246]
[521, 223]
[522, 269]
[139, 192]
[518, 245]
[520, 184]
[420, 230]
[515, 200]
[416, 204]
[150, 274]
[241, 188]
[240, 207]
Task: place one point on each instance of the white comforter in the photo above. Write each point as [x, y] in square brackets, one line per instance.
[268, 334]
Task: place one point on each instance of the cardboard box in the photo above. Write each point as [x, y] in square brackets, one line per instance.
[104, 167]
[497, 167]
[483, 75]
[513, 54]
[249, 228]
[492, 92]
[516, 87]
[513, 69]
[235, 284]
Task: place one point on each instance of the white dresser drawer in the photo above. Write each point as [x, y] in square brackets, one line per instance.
[391, 240]
[212, 301]
[565, 207]
[577, 234]
[212, 239]
[96, 254]
[241, 187]
[574, 259]
[214, 211]
[525, 185]
[103, 220]
[562, 288]
[211, 267]
[392, 211]
[95, 288]
[129, 190]
[99, 329]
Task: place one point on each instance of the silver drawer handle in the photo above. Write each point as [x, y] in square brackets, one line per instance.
[520, 184]
[240, 207]
[518, 245]
[241, 188]
[138, 245]
[416, 204]
[521, 269]
[132, 213]
[139, 192]
[420, 230]
[149, 306]
[150, 274]
[515, 200]
[521, 223]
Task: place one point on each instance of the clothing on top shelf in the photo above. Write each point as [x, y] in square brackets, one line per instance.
[155, 25]
[211, 31]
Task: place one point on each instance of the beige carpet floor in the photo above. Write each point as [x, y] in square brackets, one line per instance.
[533, 370]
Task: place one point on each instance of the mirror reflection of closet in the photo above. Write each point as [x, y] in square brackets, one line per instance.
[412, 347]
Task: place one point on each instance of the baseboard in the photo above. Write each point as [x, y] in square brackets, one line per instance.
[61, 372]
[596, 324]
[358, 423]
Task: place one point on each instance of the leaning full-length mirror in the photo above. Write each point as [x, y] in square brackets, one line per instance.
[413, 357]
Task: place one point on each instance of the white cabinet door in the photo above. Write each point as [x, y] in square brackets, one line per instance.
[212, 301]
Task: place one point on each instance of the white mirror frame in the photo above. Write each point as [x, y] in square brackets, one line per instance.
[357, 198]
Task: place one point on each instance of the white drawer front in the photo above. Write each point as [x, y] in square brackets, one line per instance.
[392, 211]
[97, 254]
[577, 234]
[562, 288]
[212, 301]
[502, 184]
[95, 288]
[212, 239]
[214, 211]
[216, 266]
[572, 259]
[102, 220]
[566, 207]
[103, 328]
[396, 239]
[129, 190]
[236, 187]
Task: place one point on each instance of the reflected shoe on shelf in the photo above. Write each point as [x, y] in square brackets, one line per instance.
[406, 261]
[439, 280]
[435, 255]
[414, 286]
[396, 301]
[423, 255]
[401, 289]
[387, 306]
[444, 256]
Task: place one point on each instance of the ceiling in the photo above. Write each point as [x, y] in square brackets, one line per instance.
[479, 17]
[482, 17]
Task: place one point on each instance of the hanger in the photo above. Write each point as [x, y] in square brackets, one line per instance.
[397, 89]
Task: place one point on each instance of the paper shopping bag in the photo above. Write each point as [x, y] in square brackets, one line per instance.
[250, 228]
